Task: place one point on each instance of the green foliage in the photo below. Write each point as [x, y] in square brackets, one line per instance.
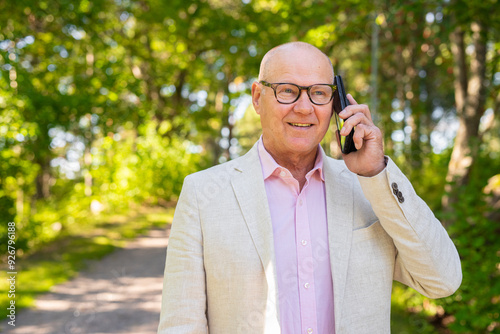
[136, 169]
[429, 181]
[476, 304]
[410, 311]
[141, 168]
[248, 129]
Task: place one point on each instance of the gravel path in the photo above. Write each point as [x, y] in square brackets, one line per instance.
[119, 294]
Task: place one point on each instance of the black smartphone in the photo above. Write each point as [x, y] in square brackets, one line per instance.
[339, 103]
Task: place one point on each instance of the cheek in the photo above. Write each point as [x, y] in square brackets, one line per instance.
[272, 115]
[325, 117]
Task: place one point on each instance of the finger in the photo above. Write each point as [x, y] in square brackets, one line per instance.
[351, 99]
[354, 120]
[354, 109]
[359, 136]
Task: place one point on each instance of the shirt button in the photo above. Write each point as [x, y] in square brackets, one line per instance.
[300, 202]
[304, 242]
[283, 173]
[309, 330]
[306, 285]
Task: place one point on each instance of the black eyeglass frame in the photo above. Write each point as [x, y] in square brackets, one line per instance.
[301, 88]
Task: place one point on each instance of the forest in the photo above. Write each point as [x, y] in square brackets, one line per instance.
[108, 104]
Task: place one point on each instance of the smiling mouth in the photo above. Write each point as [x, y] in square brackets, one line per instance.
[301, 125]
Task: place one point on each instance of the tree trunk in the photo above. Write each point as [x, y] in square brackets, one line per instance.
[470, 97]
[43, 181]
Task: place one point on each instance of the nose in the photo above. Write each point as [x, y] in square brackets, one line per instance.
[303, 105]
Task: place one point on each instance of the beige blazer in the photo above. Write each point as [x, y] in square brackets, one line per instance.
[220, 272]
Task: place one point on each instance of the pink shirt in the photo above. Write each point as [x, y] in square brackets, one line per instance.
[300, 229]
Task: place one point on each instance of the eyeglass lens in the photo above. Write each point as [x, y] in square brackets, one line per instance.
[320, 94]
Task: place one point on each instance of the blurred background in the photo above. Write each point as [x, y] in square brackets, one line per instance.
[106, 105]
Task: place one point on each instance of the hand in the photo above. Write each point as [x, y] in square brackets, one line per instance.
[369, 159]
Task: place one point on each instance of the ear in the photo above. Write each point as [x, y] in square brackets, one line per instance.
[256, 94]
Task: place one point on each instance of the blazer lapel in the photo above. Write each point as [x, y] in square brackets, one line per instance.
[248, 185]
[339, 199]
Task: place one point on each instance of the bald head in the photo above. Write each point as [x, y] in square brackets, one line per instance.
[276, 59]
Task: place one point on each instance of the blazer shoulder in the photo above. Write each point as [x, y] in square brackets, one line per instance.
[338, 169]
[337, 165]
[227, 169]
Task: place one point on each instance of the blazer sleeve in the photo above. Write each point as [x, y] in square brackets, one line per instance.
[184, 292]
[426, 259]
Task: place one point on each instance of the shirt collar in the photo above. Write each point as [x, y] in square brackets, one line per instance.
[269, 165]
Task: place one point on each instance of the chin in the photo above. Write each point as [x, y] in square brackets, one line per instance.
[302, 146]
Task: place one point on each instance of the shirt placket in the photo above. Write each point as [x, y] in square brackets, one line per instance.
[305, 267]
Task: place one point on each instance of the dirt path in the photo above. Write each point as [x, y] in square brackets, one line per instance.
[119, 294]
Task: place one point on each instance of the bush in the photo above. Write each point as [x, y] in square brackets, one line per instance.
[476, 305]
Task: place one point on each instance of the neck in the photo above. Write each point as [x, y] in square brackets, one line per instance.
[298, 164]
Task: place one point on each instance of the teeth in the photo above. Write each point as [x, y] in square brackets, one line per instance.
[301, 125]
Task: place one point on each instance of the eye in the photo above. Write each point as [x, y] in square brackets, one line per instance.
[321, 91]
[286, 90]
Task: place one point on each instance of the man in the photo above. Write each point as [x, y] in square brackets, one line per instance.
[288, 240]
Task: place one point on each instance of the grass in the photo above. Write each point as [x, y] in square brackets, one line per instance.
[84, 241]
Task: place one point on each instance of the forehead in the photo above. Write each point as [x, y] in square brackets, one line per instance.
[304, 66]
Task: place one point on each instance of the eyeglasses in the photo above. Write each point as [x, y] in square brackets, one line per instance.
[287, 93]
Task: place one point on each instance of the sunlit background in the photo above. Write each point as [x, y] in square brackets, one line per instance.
[107, 105]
